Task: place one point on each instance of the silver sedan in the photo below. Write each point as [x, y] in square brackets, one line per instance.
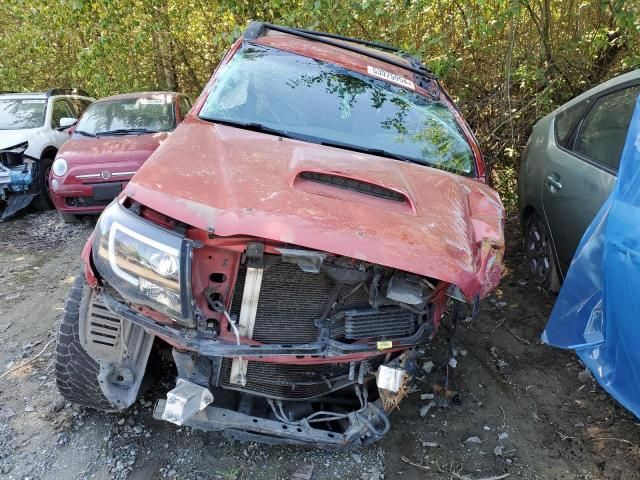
[568, 169]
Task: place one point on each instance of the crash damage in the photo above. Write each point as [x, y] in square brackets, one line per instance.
[291, 283]
[275, 333]
[17, 174]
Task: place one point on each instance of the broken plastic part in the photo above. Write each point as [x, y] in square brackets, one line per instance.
[404, 289]
[390, 378]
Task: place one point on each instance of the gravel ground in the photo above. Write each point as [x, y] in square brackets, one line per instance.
[525, 410]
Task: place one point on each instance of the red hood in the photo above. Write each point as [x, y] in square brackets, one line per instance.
[246, 183]
[88, 150]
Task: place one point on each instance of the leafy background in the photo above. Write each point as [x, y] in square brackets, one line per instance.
[506, 63]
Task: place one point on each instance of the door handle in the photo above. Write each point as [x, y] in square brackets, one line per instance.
[553, 184]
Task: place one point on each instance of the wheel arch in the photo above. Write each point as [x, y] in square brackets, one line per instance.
[525, 214]
[49, 152]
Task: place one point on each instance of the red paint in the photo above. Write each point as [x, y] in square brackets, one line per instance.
[94, 155]
[87, 267]
[243, 183]
[232, 186]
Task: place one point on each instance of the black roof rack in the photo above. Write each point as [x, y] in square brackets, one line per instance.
[258, 29]
[2, 92]
[66, 91]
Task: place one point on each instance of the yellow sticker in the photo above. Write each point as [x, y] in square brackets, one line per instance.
[384, 345]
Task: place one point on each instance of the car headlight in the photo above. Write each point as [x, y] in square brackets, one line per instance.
[59, 167]
[145, 263]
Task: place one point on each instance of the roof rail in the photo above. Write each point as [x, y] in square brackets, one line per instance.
[381, 46]
[66, 91]
[258, 29]
[2, 92]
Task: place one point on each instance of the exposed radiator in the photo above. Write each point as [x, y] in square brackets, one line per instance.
[293, 382]
[290, 301]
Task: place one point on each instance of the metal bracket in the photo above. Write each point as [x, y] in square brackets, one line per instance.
[308, 260]
[184, 401]
[249, 308]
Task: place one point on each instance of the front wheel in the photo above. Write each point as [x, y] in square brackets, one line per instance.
[76, 372]
[539, 254]
[42, 201]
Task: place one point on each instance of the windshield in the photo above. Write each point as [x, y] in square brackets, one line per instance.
[322, 102]
[134, 115]
[16, 113]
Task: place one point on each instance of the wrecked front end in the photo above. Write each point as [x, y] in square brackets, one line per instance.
[272, 342]
[17, 173]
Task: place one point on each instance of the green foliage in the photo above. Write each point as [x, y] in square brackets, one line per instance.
[506, 62]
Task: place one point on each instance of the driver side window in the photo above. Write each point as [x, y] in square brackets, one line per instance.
[61, 109]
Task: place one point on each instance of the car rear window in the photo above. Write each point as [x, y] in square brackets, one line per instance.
[322, 102]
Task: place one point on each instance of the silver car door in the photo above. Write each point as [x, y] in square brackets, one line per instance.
[578, 179]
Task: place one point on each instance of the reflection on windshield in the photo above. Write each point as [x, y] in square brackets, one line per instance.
[153, 114]
[319, 100]
[16, 114]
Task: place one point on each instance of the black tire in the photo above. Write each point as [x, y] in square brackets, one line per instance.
[76, 371]
[540, 255]
[68, 217]
[42, 200]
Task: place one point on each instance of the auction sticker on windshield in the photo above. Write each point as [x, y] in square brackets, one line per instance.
[390, 77]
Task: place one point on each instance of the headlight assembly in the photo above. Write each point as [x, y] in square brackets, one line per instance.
[145, 263]
[59, 167]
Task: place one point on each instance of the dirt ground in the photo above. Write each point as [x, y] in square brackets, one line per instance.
[527, 411]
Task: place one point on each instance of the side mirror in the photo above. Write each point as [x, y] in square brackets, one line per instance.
[67, 122]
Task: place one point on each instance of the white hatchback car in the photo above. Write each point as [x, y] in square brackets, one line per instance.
[33, 126]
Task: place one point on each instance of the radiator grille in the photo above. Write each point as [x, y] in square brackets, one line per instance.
[289, 303]
[293, 382]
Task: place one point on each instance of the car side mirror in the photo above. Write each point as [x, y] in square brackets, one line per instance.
[66, 122]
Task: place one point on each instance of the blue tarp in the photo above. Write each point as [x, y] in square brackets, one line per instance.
[597, 312]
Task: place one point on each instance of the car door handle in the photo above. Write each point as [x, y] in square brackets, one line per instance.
[553, 184]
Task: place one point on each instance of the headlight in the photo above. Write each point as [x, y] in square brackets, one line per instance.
[145, 263]
[59, 166]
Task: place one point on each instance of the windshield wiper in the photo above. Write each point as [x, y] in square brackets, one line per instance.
[254, 127]
[125, 131]
[82, 132]
[371, 151]
[258, 127]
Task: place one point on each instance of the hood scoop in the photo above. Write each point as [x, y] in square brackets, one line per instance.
[352, 189]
